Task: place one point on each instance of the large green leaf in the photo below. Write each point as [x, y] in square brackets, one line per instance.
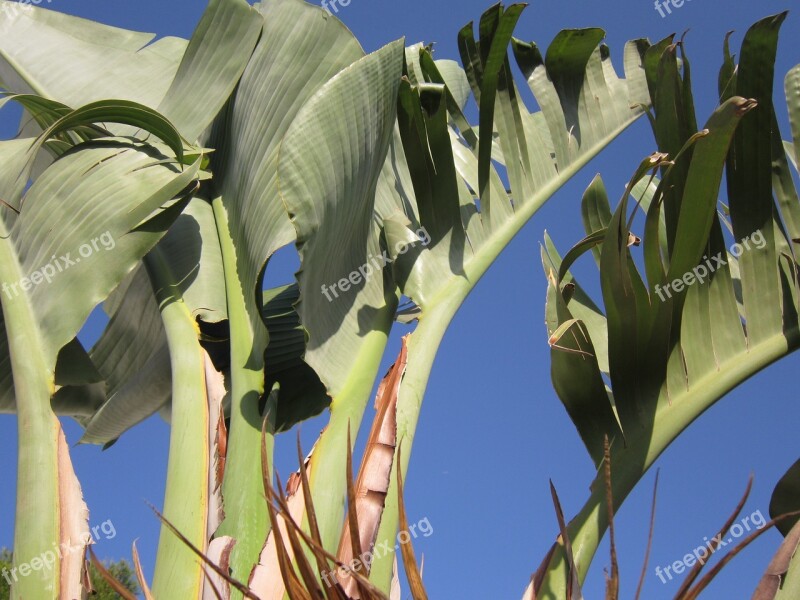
[300, 49]
[186, 272]
[132, 351]
[750, 181]
[681, 341]
[459, 197]
[328, 193]
[331, 162]
[301, 391]
[109, 201]
[218, 54]
[298, 39]
[98, 242]
[77, 61]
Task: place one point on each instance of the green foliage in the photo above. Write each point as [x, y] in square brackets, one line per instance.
[690, 310]
[5, 563]
[120, 570]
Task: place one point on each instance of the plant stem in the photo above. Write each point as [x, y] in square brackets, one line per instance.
[37, 524]
[328, 465]
[178, 573]
[422, 348]
[246, 520]
[425, 341]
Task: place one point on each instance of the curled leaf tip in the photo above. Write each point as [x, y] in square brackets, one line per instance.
[745, 105]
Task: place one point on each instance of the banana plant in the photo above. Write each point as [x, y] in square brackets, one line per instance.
[445, 214]
[458, 173]
[42, 269]
[362, 160]
[167, 307]
[695, 312]
[71, 196]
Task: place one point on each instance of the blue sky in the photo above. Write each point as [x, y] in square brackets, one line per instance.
[492, 430]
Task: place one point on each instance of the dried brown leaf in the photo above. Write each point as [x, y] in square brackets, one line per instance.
[649, 539]
[73, 526]
[372, 484]
[218, 444]
[612, 580]
[332, 590]
[243, 589]
[209, 587]
[219, 551]
[574, 586]
[375, 593]
[116, 585]
[137, 565]
[262, 580]
[353, 528]
[695, 572]
[310, 587]
[395, 592]
[693, 593]
[271, 587]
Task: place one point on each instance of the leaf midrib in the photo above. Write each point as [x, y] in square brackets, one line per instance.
[458, 287]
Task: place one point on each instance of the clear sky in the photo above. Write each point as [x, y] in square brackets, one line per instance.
[492, 430]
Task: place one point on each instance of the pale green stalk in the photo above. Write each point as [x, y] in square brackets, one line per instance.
[246, 517]
[427, 338]
[178, 573]
[37, 524]
[422, 348]
[327, 476]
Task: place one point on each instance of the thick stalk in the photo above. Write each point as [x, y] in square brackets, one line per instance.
[422, 348]
[246, 518]
[329, 461]
[427, 338]
[37, 524]
[630, 464]
[178, 573]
